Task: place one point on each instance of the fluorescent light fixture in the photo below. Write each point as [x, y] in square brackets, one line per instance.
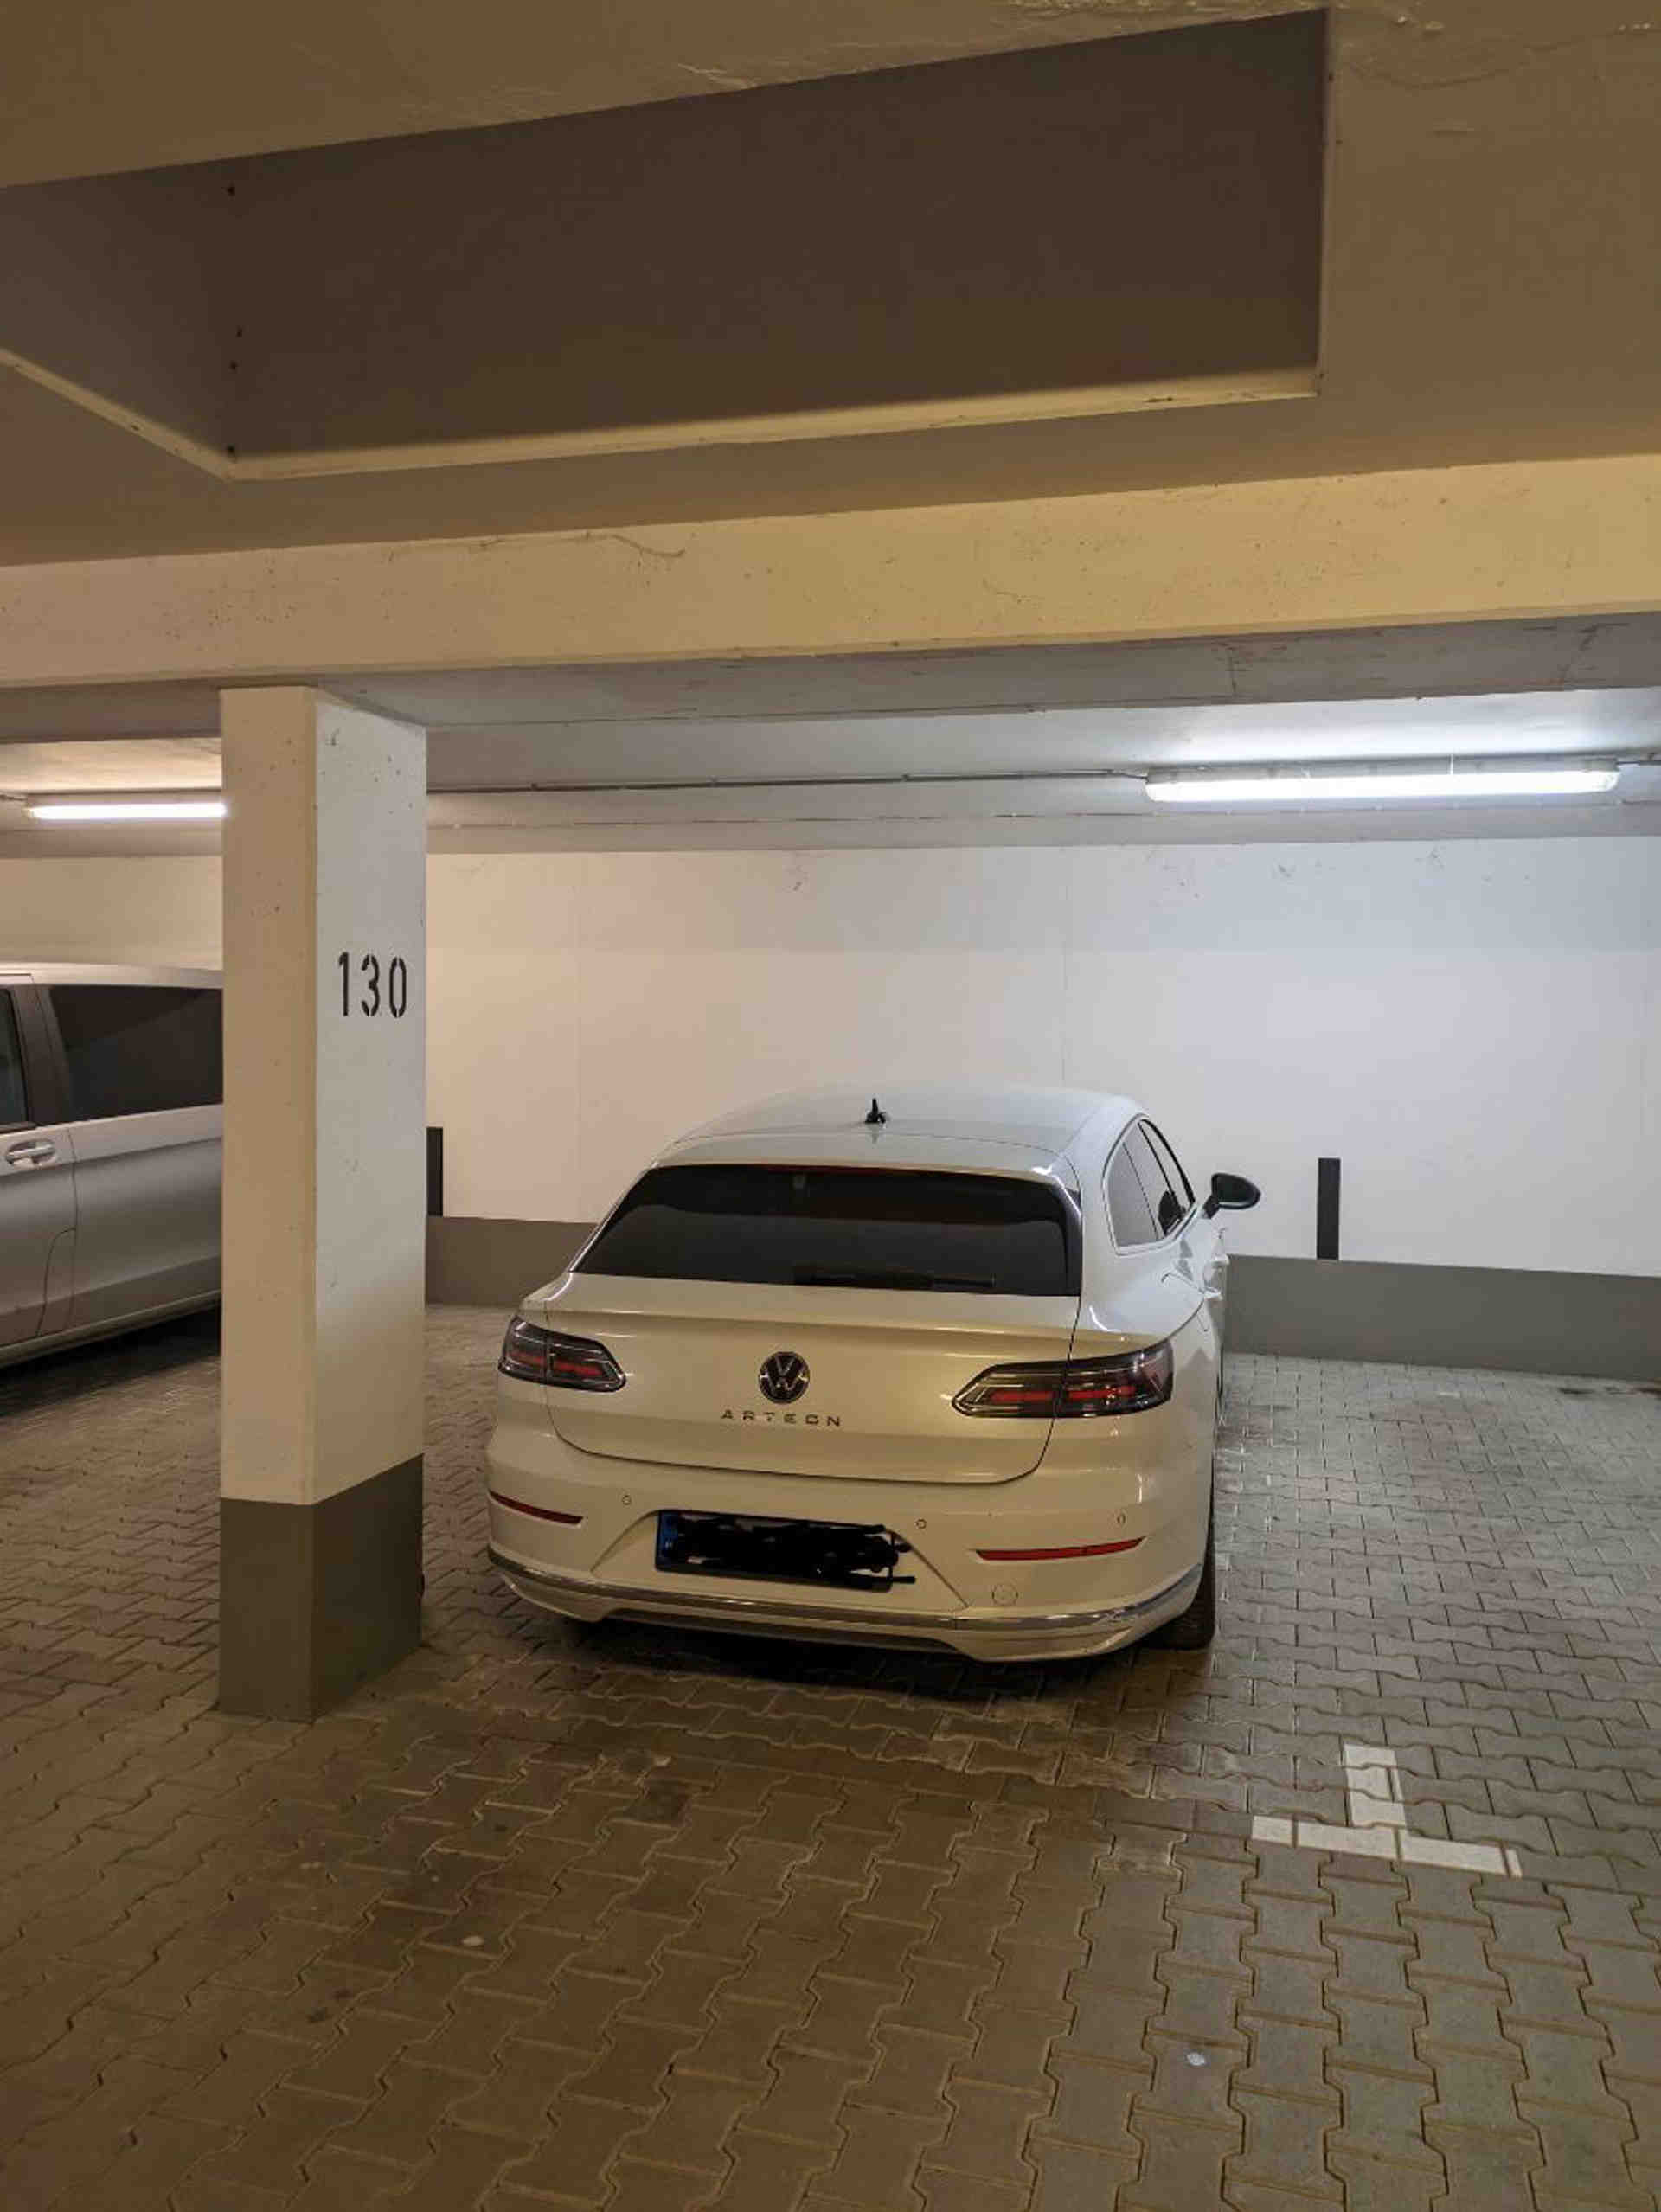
[1291, 786]
[128, 809]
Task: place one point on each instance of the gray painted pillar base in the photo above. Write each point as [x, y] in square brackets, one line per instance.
[315, 1599]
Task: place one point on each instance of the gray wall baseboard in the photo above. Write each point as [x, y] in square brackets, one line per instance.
[1528, 1320]
[1524, 1320]
[476, 1262]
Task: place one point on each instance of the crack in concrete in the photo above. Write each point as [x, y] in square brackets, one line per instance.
[1471, 53]
[1585, 639]
[720, 80]
[636, 545]
[1159, 15]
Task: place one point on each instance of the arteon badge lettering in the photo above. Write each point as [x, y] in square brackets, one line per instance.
[783, 1379]
[789, 1420]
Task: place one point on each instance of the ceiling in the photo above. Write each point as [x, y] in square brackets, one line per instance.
[892, 249]
[95, 85]
[1489, 181]
[1487, 221]
[942, 748]
[629, 752]
[1444, 661]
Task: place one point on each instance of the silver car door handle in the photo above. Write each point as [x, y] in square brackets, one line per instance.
[34, 1151]
[1216, 1297]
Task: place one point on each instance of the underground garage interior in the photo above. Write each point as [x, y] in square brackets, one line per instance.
[829, 1024]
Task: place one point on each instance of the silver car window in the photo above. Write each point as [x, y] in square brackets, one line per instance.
[14, 1103]
[138, 1047]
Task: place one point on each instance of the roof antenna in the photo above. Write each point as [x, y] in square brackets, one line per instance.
[876, 1118]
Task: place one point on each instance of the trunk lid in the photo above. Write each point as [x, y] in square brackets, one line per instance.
[883, 1366]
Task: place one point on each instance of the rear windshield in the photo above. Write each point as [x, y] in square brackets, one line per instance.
[855, 1229]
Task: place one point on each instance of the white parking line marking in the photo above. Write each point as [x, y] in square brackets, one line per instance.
[1378, 1823]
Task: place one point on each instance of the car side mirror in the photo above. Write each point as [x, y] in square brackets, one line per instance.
[1235, 1192]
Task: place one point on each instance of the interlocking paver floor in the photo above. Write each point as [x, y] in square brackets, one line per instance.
[630, 1919]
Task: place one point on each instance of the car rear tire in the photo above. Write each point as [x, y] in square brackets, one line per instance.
[1194, 1627]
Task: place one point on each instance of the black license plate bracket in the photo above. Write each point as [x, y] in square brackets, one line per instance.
[766, 1548]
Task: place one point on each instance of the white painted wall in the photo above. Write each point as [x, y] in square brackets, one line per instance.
[1473, 1027]
[163, 911]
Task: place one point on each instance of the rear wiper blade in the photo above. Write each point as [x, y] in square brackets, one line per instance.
[886, 1279]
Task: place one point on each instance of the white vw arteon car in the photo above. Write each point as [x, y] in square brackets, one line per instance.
[938, 1368]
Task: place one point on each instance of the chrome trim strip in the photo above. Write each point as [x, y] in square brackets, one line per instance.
[844, 1618]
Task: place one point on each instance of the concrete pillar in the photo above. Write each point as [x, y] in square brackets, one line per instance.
[325, 925]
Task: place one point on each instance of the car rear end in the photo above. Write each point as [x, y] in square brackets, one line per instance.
[821, 1396]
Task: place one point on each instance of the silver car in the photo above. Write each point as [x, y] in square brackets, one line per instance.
[110, 1115]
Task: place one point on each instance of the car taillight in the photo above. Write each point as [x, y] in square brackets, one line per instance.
[1074, 1389]
[534, 1355]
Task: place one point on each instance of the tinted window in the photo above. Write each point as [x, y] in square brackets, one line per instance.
[1168, 1205]
[848, 1227]
[14, 1106]
[1127, 1204]
[1172, 1166]
[135, 1048]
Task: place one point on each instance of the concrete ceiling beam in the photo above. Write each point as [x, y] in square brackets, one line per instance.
[1512, 543]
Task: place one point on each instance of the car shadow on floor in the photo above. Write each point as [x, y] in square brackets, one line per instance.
[918, 1676]
[111, 1364]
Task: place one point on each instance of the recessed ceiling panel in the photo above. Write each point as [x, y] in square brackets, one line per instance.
[1124, 223]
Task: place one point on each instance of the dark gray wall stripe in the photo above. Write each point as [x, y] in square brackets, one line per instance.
[473, 1262]
[1530, 1321]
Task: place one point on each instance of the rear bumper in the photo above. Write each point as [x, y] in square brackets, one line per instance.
[978, 1634]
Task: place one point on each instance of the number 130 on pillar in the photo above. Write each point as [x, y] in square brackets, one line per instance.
[371, 987]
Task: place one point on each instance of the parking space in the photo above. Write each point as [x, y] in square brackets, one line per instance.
[1361, 1906]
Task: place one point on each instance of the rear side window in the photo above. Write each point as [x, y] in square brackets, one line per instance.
[853, 1228]
[1168, 1160]
[1168, 1202]
[14, 1103]
[1128, 1209]
[138, 1049]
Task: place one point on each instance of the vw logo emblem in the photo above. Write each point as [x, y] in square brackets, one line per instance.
[784, 1378]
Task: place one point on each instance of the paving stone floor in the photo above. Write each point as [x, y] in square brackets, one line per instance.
[654, 1921]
